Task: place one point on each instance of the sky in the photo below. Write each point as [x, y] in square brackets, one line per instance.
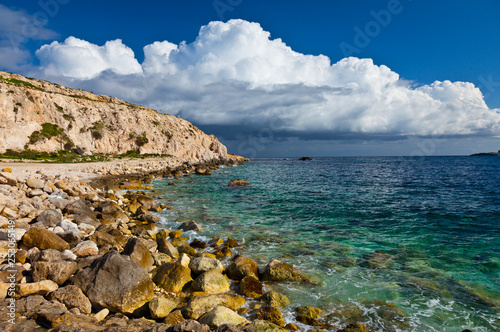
[280, 78]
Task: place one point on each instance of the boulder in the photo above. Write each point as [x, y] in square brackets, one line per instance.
[35, 288]
[79, 207]
[251, 287]
[277, 270]
[198, 244]
[161, 307]
[115, 283]
[72, 297]
[202, 304]
[308, 315]
[211, 282]
[241, 267]
[85, 248]
[223, 252]
[44, 239]
[270, 314]
[190, 225]
[275, 299]
[172, 277]
[357, 327]
[57, 271]
[221, 315]
[138, 253]
[161, 258]
[186, 249]
[238, 183]
[166, 247]
[189, 326]
[231, 243]
[35, 183]
[175, 317]
[200, 265]
[184, 260]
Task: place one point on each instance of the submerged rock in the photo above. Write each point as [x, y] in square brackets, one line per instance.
[277, 270]
[238, 183]
[308, 315]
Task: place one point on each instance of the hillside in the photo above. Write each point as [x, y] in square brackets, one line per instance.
[42, 116]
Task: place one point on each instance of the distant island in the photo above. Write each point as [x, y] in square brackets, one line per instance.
[486, 154]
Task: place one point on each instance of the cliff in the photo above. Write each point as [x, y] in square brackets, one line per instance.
[44, 116]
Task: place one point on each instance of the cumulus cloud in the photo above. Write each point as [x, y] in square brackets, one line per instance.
[16, 28]
[235, 74]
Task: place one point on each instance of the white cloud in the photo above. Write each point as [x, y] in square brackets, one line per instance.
[80, 59]
[235, 74]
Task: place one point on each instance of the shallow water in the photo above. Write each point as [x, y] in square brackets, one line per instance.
[437, 220]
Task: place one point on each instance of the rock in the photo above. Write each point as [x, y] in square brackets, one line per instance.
[44, 239]
[161, 258]
[376, 260]
[35, 183]
[263, 325]
[308, 315]
[223, 252]
[101, 314]
[115, 283]
[68, 255]
[166, 247]
[238, 183]
[36, 192]
[355, 327]
[103, 239]
[16, 234]
[275, 299]
[187, 249]
[221, 315]
[211, 282]
[175, 317]
[10, 179]
[241, 267]
[202, 171]
[202, 304]
[291, 327]
[215, 242]
[251, 287]
[9, 213]
[57, 271]
[190, 225]
[184, 260]
[198, 244]
[4, 287]
[72, 297]
[277, 270]
[189, 326]
[36, 288]
[172, 277]
[161, 307]
[59, 203]
[232, 243]
[78, 207]
[138, 253]
[7, 170]
[85, 248]
[270, 314]
[200, 265]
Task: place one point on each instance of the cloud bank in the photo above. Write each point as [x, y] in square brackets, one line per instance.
[234, 74]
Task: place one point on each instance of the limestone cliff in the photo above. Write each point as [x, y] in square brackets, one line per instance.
[43, 116]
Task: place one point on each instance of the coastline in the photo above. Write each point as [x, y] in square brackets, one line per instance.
[114, 223]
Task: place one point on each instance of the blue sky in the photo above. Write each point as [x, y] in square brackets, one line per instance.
[422, 41]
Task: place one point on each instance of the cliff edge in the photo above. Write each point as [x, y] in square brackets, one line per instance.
[43, 116]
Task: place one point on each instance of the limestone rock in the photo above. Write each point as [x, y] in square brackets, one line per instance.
[85, 248]
[161, 307]
[57, 271]
[200, 265]
[221, 315]
[270, 314]
[190, 225]
[307, 315]
[72, 297]
[173, 318]
[138, 253]
[189, 326]
[241, 267]
[35, 183]
[277, 270]
[212, 282]
[275, 299]
[172, 277]
[238, 183]
[166, 247]
[44, 239]
[251, 287]
[202, 304]
[115, 283]
[36, 288]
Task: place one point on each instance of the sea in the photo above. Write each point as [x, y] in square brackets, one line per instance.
[395, 243]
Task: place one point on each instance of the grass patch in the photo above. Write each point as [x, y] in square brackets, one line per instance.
[17, 82]
[141, 140]
[70, 156]
[59, 108]
[81, 97]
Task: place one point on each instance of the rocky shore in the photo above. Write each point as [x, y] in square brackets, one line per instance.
[89, 256]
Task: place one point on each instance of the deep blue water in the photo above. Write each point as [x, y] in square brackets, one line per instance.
[436, 218]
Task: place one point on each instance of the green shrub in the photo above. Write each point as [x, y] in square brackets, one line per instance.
[141, 140]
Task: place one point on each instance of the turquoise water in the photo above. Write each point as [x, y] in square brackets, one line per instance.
[437, 219]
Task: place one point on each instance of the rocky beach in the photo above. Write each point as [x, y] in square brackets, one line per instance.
[89, 256]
